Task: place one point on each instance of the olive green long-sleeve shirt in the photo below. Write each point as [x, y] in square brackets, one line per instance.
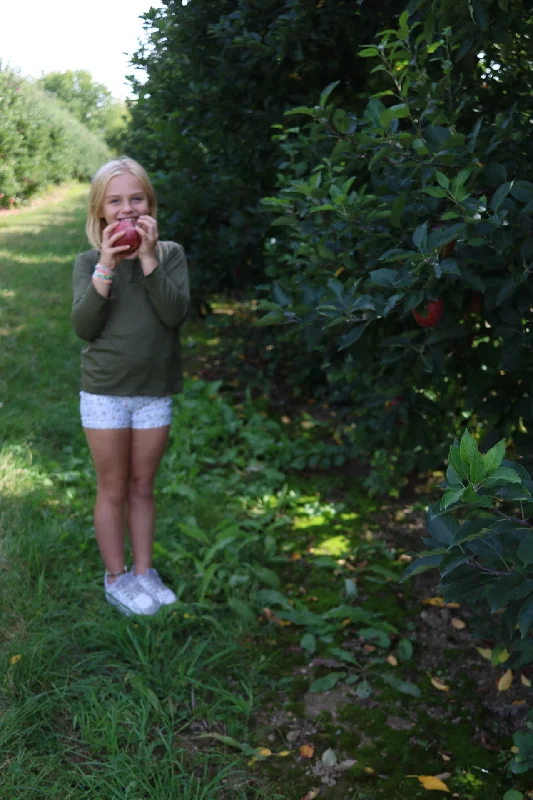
[134, 334]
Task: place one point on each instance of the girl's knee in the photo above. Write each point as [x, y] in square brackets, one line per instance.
[141, 487]
[113, 489]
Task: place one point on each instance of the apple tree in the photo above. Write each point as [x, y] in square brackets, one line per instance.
[401, 249]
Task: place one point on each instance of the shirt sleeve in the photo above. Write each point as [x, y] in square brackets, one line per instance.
[89, 309]
[168, 287]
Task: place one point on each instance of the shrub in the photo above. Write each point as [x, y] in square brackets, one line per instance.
[480, 538]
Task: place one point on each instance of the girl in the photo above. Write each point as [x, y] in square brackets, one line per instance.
[129, 308]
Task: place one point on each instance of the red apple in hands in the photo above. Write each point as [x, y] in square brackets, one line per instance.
[435, 310]
[131, 236]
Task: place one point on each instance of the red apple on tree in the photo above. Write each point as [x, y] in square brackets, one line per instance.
[394, 401]
[130, 237]
[433, 315]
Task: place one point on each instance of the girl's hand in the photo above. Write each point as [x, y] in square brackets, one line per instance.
[111, 250]
[147, 229]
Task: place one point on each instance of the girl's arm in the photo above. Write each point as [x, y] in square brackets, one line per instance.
[168, 286]
[89, 307]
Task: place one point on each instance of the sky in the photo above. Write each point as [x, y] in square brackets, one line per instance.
[57, 35]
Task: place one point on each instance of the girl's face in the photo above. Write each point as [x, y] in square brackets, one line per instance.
[125, 198]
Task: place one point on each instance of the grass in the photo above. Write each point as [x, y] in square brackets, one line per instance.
[283, 579]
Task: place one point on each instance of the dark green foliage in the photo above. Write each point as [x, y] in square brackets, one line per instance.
[220, 74]
[423, 193]
[480, 537]
[40, 142]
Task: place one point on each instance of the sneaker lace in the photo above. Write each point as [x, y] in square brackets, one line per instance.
[130, 589]
[154, 580]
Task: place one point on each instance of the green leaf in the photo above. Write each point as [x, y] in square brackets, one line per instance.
[467, 448]
[350, 338]
[525, 551]
[326, 93]
[368, 52]
[272, 318]
[343, 655]
[383, 277]
[327, 682]
[363, 690]
[396, 210]
[405, 649]
[522, 191]
[513, 795]
[308, 642]
[405, 687]
[281, 296]
[442, 527]
[498, 593]
[267, 576]
[421, 565]
[499, 195]
[378, 637]
[477, 467]
[269, 597]
[494, 457]
[502, 475]
[442, 179]
[434, 191]
[525, 618]
[452, 496]
[420, 236]
[456, 462]
[242, 609]
[341, 120]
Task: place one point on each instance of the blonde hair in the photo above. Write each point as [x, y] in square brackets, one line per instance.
[118, 166]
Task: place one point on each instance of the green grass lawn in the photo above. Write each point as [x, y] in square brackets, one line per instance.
[293, 661]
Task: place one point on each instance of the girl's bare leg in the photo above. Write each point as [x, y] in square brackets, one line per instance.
[147, 448]
[110, 450]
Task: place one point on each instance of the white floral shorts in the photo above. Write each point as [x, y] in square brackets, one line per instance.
[107, 411]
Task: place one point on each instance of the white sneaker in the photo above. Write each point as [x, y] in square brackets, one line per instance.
[154, 586]
[129, 596]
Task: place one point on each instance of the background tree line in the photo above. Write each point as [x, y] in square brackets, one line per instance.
[58, 128]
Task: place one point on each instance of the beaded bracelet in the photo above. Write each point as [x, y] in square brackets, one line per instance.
[103, 274]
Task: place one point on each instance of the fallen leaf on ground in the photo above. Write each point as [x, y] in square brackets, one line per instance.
[307, 750]
[264, 751]
[445, 756]
[431, 783]
[505, 681]
[14, 659]
[515, 749]
[283, 753]
[525, 681]
[269, 614]
[392, 660]
[484, 652]
[458, 624]
[518, 702]
[329, 758]
[369, 770]
[439, 602]
[440, 685]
